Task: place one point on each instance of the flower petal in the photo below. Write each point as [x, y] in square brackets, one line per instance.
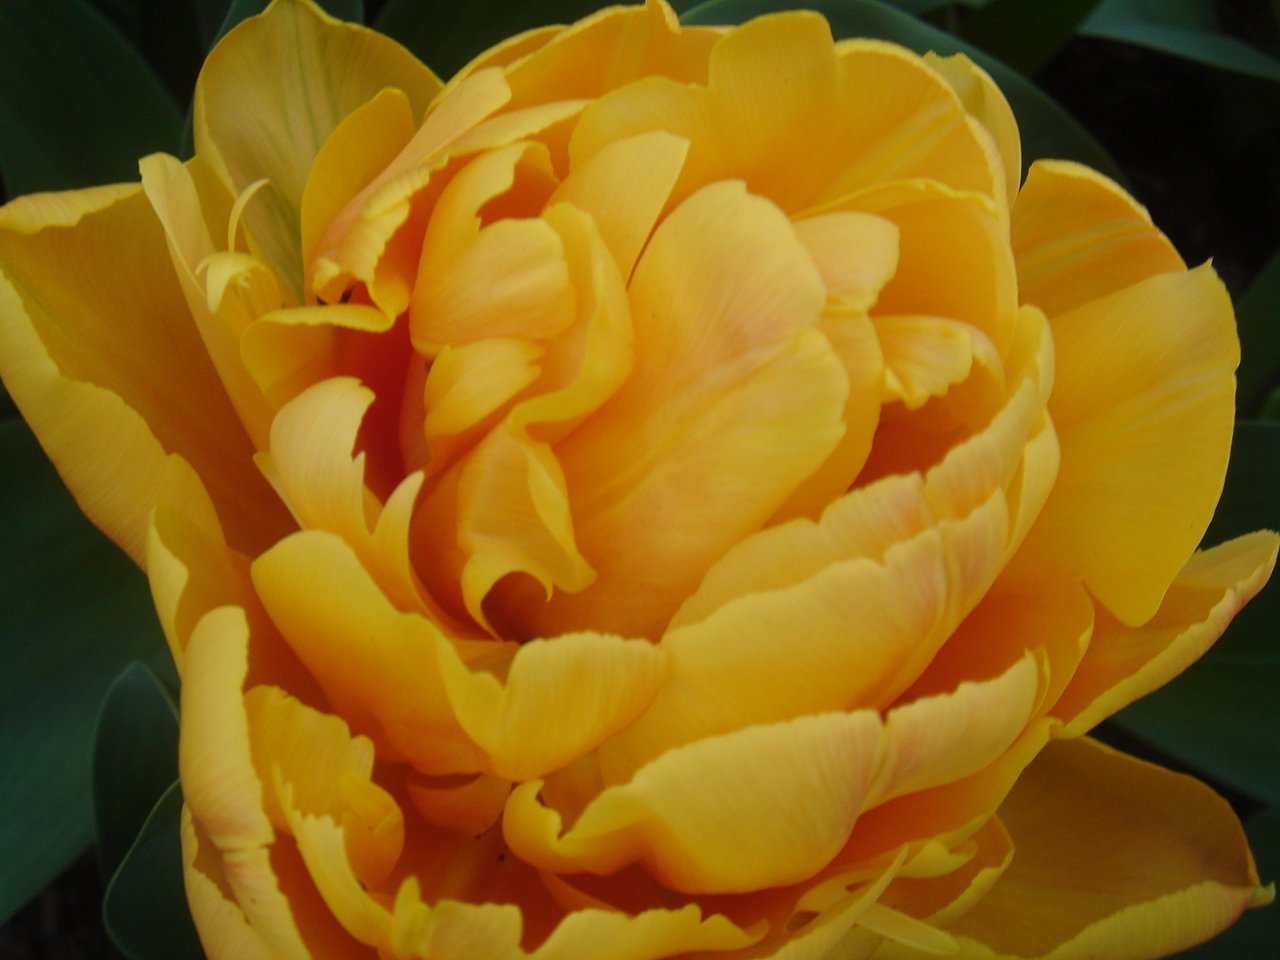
[1077, 236]
[1143, 404]
[725, 286]
[412, 688]
[100, 356]
[986, 103]
[257, 120]
[759, 807]
[218, 780]
[224, 932]
[1125, 663]
[1113, 857]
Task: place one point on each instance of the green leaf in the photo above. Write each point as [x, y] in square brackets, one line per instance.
[78, 106]
[1219, 718]
[210, 15]
[145, 909]
[1187, 29]
[1047, 130]
[1271, 408]
[1257, 932]
[74, 611]
[446, 35]
[135, 758]
[1251, 501]
[1258, 319]
[1025, 34]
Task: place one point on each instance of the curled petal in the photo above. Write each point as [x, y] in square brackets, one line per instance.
[1125, 663]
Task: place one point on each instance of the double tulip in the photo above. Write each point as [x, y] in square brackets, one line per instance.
[669, 491]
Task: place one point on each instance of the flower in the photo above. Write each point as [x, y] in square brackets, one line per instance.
[683, 496]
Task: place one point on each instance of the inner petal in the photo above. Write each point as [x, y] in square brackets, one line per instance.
[734, 398]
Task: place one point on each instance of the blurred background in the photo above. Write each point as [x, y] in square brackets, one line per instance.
[1177, 99]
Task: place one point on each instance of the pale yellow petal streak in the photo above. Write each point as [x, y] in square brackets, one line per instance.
[269, 96]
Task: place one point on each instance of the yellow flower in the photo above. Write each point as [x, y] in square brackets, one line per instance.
[666, 492]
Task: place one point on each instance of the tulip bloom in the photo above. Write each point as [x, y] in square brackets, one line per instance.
[665, 492]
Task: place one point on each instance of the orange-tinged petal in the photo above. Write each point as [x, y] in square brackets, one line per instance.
[313, 766]
[651, 935]
[724, 287]
[412, 688]
[942, 898]
[1113, 857]
[624, 188]
[320, 596]
[869, 520]
[218, 779]
[1125, 663]
[360, 147]
[104, 366]
[856, 254]
[561, 698]
[469, 382]
[1077, 236]
[899, 120]
[511, 280]
[172, 192]
[189, 565]
[290, 349]
[975, 281]
[609, 49]
[985, 102]
[256, 120]
[322, 844]
[471, 807]
[224, 932]
[947, 737]
[759, 807]
[314, 465]
[1143, 405]
[514, 516]
[924, 356]
[450, 930]
[783, 654]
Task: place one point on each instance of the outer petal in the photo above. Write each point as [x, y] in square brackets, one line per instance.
[1113, 857]
[100, 355]
[271, 93]
[1143, 404]
[984, 101]
[1125, 663]
[1077, 236]
[224, 932]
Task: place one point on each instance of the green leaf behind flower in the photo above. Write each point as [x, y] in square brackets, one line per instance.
[74, 611]
[1258, 317]
[1047, 130]
[1025, 34]
[78, 105]
[1186, 29]
[135, 758]
[145, 909]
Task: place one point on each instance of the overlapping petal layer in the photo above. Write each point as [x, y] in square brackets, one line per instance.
[667, 492]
